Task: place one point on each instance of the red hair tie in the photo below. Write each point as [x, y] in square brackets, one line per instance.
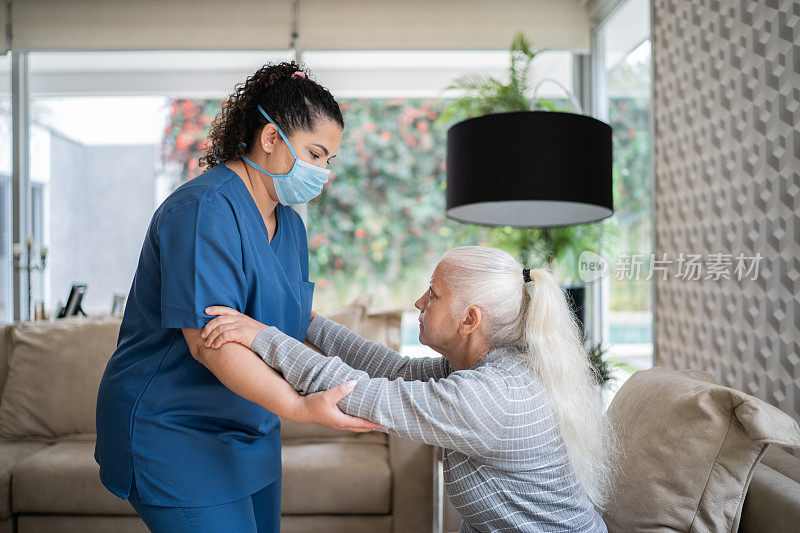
[298, 74]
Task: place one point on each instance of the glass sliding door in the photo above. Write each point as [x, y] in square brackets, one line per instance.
[622, 98]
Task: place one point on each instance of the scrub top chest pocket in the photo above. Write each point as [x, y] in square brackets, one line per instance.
[294, 318]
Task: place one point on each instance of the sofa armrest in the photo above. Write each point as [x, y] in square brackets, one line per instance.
[412, 485]
[772, 502]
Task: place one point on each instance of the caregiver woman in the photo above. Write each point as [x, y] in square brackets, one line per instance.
[192, 441]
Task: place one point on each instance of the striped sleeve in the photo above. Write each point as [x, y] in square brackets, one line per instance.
[372, 357]
[460, 412]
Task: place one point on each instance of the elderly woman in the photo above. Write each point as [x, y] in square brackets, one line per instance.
[513, 401]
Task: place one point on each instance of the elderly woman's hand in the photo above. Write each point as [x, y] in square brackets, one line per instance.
[230, 326]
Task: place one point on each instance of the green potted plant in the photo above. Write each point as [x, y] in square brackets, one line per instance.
[603, 368]
[555, 247]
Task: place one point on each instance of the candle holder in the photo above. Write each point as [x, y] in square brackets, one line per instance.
[28, 267]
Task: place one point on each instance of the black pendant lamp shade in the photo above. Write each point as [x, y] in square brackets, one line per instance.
[529, 169]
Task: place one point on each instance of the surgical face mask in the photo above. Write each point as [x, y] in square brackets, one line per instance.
[304, 181]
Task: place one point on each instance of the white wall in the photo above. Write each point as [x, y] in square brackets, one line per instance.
[101, 202]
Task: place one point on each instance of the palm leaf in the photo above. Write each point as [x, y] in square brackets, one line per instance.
[483, 95]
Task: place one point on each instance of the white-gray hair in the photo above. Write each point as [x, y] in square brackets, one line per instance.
[535, 319]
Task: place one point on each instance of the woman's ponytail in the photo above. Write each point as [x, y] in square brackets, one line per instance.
[556, 354]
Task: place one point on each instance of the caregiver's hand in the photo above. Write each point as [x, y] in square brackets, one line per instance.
[230, 326]
[321, 408]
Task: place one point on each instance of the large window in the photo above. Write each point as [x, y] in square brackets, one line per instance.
[99, 163]
[93, 190]
[112, 133]
[622, 61]
[6, 272]
[379, 228]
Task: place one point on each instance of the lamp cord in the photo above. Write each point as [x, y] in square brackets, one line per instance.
[576, 105]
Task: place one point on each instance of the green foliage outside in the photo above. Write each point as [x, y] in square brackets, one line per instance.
[603, 368]
[380, 227]
[186, 133]
[629, 117]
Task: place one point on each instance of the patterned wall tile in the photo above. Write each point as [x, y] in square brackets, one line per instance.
[727, 180]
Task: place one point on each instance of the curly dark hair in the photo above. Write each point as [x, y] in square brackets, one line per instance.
[292, 102]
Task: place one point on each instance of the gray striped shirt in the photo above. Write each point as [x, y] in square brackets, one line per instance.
[505, 463]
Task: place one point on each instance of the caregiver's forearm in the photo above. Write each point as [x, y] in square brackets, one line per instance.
[243, 372]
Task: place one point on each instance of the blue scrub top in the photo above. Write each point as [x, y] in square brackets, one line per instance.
[190, 440]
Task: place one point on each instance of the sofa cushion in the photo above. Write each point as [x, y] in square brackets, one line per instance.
[53, 376]
[337, 524]
[63, 478]
[11, 453]
[83, 524]
[690, 447]
[782, 462]
[352, 315]
[336, 478]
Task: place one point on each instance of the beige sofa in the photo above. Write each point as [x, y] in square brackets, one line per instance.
[49, 481]
[333, 481]
[698, 456]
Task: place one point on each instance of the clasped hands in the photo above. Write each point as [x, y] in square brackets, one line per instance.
[321, 407]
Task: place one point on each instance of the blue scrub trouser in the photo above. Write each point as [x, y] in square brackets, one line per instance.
[257, 513]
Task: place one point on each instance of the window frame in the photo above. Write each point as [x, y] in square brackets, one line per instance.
[599, 97]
